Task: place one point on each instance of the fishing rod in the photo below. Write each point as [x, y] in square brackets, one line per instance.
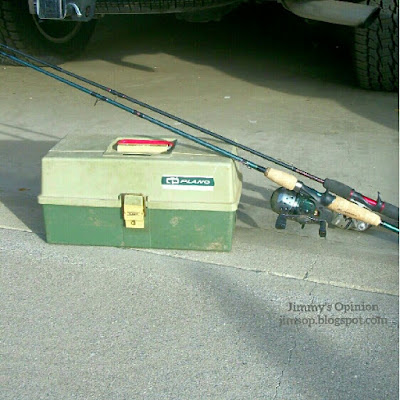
[294, 200]
[332, 185]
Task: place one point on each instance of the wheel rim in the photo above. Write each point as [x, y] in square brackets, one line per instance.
[57, 31]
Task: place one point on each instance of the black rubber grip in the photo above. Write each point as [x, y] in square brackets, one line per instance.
[391, 211]
[338, 188]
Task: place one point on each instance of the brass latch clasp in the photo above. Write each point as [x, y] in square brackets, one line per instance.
[134, 210]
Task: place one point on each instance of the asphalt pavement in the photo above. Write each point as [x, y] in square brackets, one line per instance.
[285, 314]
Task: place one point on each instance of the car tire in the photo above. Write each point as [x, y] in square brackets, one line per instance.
[53, 41]
[376, 49]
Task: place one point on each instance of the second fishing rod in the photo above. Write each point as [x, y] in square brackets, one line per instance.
[310, 205]
[331, 185]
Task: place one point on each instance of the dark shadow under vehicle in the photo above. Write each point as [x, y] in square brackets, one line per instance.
[58, 30]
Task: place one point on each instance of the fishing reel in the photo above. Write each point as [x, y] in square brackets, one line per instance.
[307, 208]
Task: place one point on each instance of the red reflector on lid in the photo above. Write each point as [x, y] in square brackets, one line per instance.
[148, 142]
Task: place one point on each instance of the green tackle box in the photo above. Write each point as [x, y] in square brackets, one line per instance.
[183, 198]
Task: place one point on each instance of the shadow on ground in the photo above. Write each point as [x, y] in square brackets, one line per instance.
[20, 166]
[20, 179]
[261, 44]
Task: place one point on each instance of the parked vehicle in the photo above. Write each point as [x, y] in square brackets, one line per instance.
[60, 29]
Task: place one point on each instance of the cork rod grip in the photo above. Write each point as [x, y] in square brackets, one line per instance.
[345, 207]
[281, 178]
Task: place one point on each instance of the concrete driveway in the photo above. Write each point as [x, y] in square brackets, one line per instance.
[285, 314]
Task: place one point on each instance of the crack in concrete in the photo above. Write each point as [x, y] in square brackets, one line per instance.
[271, 273]
[308, 272]
[280, 275]
[311, 291]
[289, 360]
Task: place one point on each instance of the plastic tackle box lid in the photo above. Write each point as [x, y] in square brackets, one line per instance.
[89, 171]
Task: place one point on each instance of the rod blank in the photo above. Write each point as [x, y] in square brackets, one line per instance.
[177, 131]
[334, 186]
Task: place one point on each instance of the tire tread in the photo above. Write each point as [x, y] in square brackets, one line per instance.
[376, 49]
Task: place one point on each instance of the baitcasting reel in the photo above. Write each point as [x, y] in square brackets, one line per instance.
[308, 208]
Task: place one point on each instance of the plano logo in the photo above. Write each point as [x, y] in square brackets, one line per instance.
[175, 182]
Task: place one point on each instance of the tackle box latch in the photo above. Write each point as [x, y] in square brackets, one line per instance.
[134, 210]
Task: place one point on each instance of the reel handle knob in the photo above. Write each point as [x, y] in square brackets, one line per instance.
[280, 222]
[322, 229]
